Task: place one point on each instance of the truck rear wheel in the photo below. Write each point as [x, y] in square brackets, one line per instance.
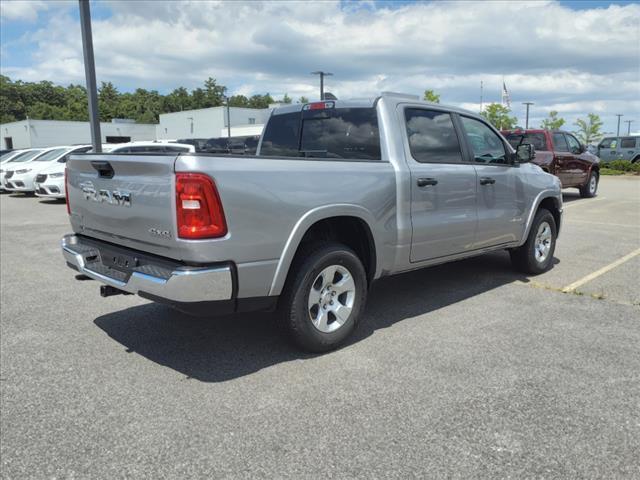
[324, 297]
[536, 255]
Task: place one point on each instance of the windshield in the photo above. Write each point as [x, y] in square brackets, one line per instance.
[7, 155]
[27, 156]
[51, 155]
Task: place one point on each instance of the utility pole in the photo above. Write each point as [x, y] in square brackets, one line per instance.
[90, 74]
[628, 122]
[619, 115]
[322, 75]
[526, 125]
[228, 119]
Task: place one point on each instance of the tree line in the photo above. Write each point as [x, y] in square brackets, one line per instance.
[46, 101]
[588, 130]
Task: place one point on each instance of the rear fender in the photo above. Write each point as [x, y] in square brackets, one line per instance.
[307, 221]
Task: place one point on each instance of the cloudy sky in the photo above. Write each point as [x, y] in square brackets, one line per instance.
[572, 56]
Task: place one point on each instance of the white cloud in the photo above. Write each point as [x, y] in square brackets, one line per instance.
[547, 53]
[21, 9]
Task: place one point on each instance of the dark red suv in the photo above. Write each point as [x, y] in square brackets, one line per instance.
[561, 154]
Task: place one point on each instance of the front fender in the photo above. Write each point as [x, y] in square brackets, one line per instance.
[544, 194]
[305, 222]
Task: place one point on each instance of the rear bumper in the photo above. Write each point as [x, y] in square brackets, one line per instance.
[146, 275]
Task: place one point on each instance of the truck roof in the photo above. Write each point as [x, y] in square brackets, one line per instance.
[393, 98]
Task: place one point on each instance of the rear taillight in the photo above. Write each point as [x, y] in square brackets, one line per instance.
[199, 209]
[66, 191]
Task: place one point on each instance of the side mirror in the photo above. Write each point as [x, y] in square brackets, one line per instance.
[525, 153]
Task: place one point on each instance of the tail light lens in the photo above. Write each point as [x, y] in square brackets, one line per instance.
[66, 191]
[199, 209]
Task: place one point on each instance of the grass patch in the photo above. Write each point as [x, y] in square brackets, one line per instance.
[620, 167]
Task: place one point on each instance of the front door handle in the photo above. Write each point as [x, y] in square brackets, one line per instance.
[424, 182]
[487, 181]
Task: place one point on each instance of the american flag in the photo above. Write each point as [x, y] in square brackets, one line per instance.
[505, 96]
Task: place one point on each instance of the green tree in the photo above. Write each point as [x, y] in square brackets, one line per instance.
[431, 96]
[108, 100]
[589, 130]
[552, 122]
[286, 99]
[260, 101]
[238, 101]
[214, 93]
[303, 99]
[498, 116]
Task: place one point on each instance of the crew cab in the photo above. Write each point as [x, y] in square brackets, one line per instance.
[561, 154]
[340, 194]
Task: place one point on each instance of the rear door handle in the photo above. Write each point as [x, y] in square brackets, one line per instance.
[487, 181]
[424, 182]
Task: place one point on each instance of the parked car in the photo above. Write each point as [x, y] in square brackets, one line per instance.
[23, 178]
[49, 182]
[620, 148]
[16, 162]
[199, 143]
[149, 147]
[340, 193]
[561, 154]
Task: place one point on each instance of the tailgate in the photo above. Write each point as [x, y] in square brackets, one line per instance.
[126, 199]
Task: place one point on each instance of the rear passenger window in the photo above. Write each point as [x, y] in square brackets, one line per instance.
[432, 137]
[486, 145]
[629, 142]
[560, 143]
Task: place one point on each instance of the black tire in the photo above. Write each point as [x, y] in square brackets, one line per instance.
[524, 258]
[294, 312]
[590, 189]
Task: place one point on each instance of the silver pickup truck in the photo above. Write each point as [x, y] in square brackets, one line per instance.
[339, 194]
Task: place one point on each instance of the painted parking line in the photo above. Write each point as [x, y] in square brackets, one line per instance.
[607, 224]
[581, 202]
[578, 283]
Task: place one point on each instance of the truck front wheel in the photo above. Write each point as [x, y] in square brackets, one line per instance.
[536, 255]
[324, 297]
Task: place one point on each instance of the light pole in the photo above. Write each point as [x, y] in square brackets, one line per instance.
[526, 124]
[628, 122]
[322, 75]
[90, 74]
[619, 115]
[228, 118]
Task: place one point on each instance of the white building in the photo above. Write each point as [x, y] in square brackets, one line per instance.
[49, 133]
[211, 123]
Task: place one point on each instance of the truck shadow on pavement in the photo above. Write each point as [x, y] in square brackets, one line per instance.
[218, 349]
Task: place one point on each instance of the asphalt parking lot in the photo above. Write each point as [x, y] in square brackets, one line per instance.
[461, 371]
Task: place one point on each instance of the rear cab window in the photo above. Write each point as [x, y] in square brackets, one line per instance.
[538, 140]
[340, 133]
